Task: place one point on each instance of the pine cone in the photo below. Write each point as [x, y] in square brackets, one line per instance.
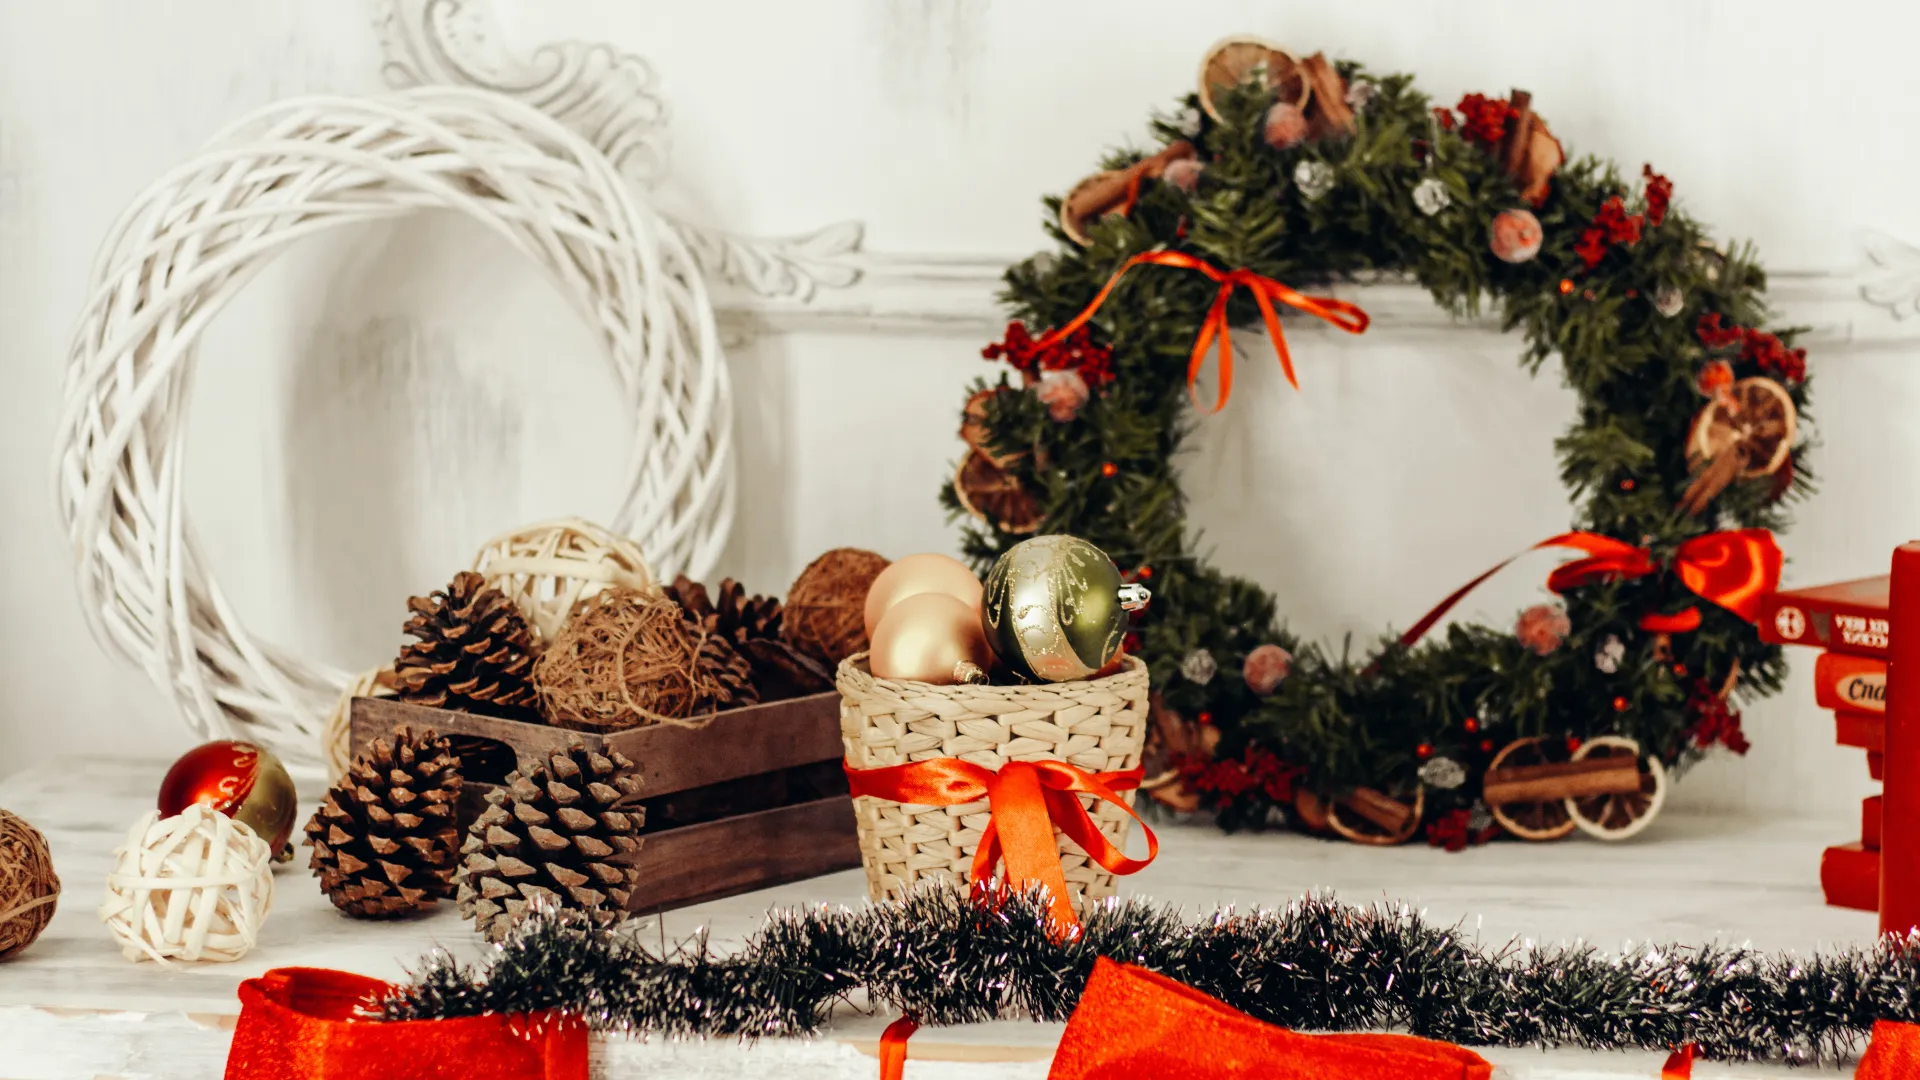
[729, 611]
[722, 674]
[751, 624]
[474, 652]
[556, 833]
[385, 841]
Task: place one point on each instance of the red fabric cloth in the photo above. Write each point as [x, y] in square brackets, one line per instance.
[1132, 1024]
[299, 1024]
[1893, 1053]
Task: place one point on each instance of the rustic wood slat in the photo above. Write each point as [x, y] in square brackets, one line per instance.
[740, 854]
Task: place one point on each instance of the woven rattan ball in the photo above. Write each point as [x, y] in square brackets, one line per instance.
[194, 886]
[550, 567]
[824, 614]
[624, 659]
[336, 735]
[28, 888]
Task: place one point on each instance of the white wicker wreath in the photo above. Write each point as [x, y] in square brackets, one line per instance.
[194, 239]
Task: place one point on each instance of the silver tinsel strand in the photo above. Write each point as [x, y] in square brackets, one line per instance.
[1198, 667]
[1315, 964]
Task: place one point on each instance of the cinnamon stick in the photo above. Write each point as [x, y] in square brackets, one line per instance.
[1104, 191]
[1519, 140]
[1327, 108]
[1618, 775]
[1390, 814]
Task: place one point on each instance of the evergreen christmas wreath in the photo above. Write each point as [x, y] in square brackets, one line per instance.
[1280, 172]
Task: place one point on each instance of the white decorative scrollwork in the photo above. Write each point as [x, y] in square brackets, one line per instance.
[609, 98]
[1897, 285]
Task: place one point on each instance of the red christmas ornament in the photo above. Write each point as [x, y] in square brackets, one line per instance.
[1109, 470]
[1486, 746]
[1620, 704]
[1573, 744]
[1471, 724]
[1424, 750]
[1627, 484]
[239, 779]
[1566, 286]
[1515, 236]
[1205, 718]
[1145, 573]
[1680, 670]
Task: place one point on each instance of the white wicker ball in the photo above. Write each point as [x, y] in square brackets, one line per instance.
[190, 243]
[194, 886]
[549, 567]
[336, 735]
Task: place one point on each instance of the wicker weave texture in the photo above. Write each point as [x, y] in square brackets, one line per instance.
[1097, 725]
[183, 250]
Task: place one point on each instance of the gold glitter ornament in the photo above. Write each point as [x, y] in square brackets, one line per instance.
[1055, 608]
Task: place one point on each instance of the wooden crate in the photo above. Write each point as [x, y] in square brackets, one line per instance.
[752, 799]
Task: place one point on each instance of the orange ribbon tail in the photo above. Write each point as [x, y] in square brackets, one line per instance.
[1679, 1064]
[893, 1047]
[1216, 326]
[1026, 801]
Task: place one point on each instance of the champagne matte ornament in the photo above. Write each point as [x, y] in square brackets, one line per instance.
[1055, 608]
[916, 574]
[931, 638]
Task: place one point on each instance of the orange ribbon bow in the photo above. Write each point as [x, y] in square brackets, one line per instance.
[1266, 291]
[1027, 800]
[1731, 569]
[1133, 1024]
[302, 1024]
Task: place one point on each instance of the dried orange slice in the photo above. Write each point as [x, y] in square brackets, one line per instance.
[1537, 821]
[1745, 432]
[1368, 817]
[1616, 817]
[994, 495]
[1234, 60]
[973, 422]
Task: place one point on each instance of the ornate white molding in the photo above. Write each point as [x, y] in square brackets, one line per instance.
[611, 99]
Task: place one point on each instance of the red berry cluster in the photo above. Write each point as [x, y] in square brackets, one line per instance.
[1713, 721]
[1659, 195]
[1258, 769]
[1451, 831]
[1761, 349]
[1611, 226]
[1075, 352]
[1486, 118]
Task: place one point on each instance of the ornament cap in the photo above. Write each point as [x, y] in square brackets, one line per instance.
[1134, 597]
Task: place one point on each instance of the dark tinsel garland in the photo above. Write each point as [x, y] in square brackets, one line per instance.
[1316, 964]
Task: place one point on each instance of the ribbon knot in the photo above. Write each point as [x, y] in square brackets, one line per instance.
[1027, 801]
[1266, 292]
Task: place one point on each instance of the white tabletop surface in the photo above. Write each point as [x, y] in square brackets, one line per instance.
[72, 1006]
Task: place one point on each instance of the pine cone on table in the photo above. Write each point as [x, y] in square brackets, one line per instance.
[385, 842]
[474, 652]
[724, 675]
[557, 833]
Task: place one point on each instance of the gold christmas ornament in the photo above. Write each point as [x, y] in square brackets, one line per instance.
[917, 574]
[1055, 608]
[930, 637]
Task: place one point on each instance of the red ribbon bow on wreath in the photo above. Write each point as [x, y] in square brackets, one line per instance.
[1730, 569]
[1027, 800]
[1266, 292]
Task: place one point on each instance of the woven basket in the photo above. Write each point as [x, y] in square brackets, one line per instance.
[1097, 725]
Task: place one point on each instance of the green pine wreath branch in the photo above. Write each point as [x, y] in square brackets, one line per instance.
[1361, 717]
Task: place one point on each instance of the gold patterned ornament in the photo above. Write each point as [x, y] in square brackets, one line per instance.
[1056, 609]
[930, 637]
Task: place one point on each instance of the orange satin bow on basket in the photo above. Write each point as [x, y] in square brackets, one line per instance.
[300, 1024]
[1731, 569]
[1266, 292]
[1028, 800]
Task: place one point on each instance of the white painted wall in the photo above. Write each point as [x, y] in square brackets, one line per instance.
[383, 400]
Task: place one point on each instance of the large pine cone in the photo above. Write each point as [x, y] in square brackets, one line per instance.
[557, 833]
[385, 841]
[722, 674]
[474, 652]
[751, 624]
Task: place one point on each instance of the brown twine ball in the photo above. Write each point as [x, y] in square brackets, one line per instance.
[824, 613]
[28, 887]
[623, 659]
